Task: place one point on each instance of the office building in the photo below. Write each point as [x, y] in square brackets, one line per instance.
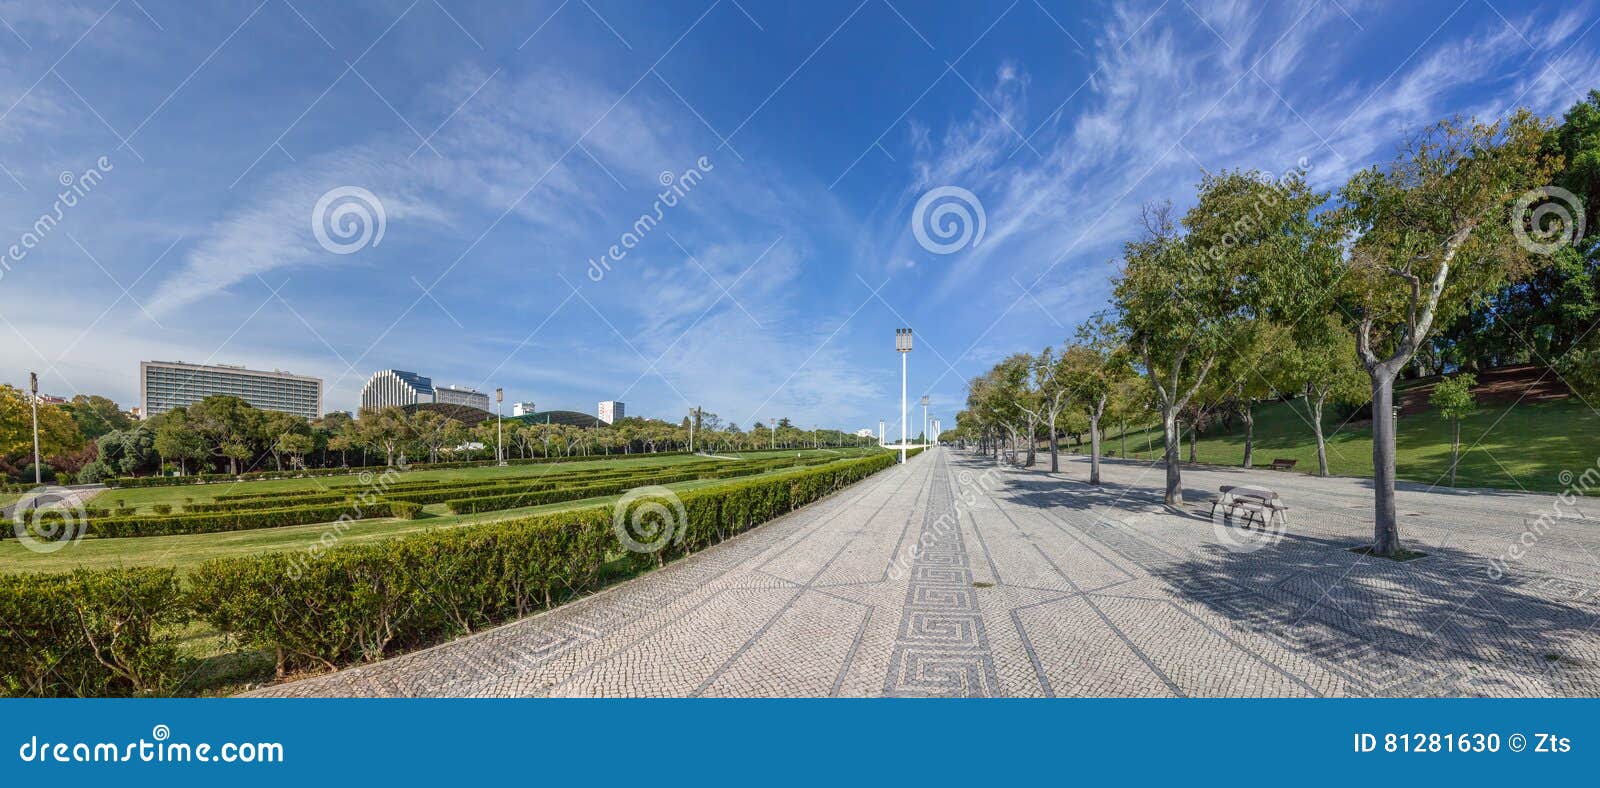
[612, 411]
[461, 395]
[399, 388]
[522, 409]
[164, 385]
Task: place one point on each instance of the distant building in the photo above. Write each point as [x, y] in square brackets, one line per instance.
[395, 387]
[522, 409]
[51, 399]
[164, 385]
[612, 411]
[399, 388]
[865, 432]
[461, 395]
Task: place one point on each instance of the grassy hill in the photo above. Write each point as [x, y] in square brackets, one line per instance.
[1512, 447]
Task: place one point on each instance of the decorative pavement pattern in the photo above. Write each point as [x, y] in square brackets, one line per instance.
[952, 576]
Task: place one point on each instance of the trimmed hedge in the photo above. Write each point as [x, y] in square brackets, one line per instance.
[360, 602]
[90, 633]
[213, 522]
[211, 478]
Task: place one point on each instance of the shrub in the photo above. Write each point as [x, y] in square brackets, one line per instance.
[404, 510]
[90, 633]
[212, 522]
[358, 602]
[162, 508]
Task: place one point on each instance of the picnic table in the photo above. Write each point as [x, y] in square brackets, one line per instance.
[1259, 503]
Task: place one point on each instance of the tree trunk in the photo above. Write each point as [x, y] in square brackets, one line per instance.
[1055, 460]
[1123, 437]
[1033, 433]
[1455, 449]
[1170, 427]
[1194, 441]
[1385, 526]
[1094, 449]
[1322, 442]
[1249, 416]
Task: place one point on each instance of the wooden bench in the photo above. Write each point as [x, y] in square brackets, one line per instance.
[1260, 504]
[1281, 464]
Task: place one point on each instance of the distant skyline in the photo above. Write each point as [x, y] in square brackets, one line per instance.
[523, 156]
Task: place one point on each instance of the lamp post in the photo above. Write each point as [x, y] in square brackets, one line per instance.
[880, 432]
[33, 388]
[924, 419]
[902, 345]
[694, 416]
[773, 430]
[499, 441]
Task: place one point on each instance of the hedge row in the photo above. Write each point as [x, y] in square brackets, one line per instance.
[359, 602]
[211, 478]
[213, 522]
[91, 633]
[492, 503]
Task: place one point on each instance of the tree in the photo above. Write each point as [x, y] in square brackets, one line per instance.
[1452, 397]
[1051, 385]
[96, 415]
[1433, 236]
[1316, 361]
[297, 445]
[273, 426]
[227, 425]
[433, 432]
[386, 429]
[176, 439]
[128, 451]
[58, 433]
[1095, 366]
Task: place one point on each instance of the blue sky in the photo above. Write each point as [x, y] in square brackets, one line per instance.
[510, 144]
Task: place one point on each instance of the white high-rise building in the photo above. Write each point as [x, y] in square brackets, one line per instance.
[461, 395]
[399, 388]
[522, 409]
[164, 385]
[612, 411]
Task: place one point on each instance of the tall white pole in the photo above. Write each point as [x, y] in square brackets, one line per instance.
[499, 435]
[902, 407]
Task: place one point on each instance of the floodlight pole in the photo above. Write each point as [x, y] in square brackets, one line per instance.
[33, 388]
[902, 344]
[499, 441]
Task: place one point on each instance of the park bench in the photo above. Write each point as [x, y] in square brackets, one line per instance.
[1281, 464]
[1259, 503]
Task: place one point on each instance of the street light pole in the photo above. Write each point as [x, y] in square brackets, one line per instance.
[902, 345]
[694, 414]
[33, 388]
[924, 419]
[499, 440]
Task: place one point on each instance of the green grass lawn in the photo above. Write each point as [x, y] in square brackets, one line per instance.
[188, 550]
[1525, 447]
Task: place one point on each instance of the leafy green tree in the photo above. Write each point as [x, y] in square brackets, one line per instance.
[1096, 365]
[96, 415]
[1433, 237]
[296, 445]
[228, 426]
[177, 439]
[1453, 398]
[1316, 360]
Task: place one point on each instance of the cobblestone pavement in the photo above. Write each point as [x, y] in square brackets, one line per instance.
[952, 576]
